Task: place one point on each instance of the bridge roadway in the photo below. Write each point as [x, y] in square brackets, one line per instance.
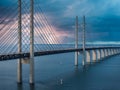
[41, 53]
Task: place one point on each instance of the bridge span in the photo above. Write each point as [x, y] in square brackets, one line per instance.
[100, 50]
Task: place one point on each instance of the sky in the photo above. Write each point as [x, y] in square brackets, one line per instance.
[102, 18]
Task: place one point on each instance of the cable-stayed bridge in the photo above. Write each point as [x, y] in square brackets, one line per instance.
[25, 32]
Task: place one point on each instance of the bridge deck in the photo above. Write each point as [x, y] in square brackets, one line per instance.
[41, 53]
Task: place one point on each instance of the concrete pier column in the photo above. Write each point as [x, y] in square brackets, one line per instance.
[109, 52]
[98, 54]
[105, 50]
[112, 50]
[102, 53]
[88, 57]
[115, 51]
[94, 55]
[118, 50]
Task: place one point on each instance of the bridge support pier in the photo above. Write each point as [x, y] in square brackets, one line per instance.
[108, 52]
[102, 53]
[112, 51]
[98, 55]
[88, 58]
[118, 51]
[94, 55]
[105, 50]
[115, 51]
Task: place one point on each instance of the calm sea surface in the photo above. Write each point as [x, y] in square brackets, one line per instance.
[57, 72]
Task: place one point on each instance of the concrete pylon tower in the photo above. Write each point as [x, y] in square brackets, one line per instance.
[19, 69]
[31, 42]
[84, 52]
[76, 41]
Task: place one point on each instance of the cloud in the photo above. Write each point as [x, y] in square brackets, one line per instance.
[102, 17]
[92, 8]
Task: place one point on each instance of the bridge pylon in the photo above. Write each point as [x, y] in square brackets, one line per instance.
[19, 69]
[84, 42]
[76, 42]
[31, 80]
[29, 60]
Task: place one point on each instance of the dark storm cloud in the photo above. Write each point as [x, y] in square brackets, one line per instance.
[102, 16]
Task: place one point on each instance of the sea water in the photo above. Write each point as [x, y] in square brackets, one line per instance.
[57, 72]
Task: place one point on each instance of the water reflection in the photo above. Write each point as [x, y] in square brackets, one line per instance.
[20, 87]
[32, 87]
